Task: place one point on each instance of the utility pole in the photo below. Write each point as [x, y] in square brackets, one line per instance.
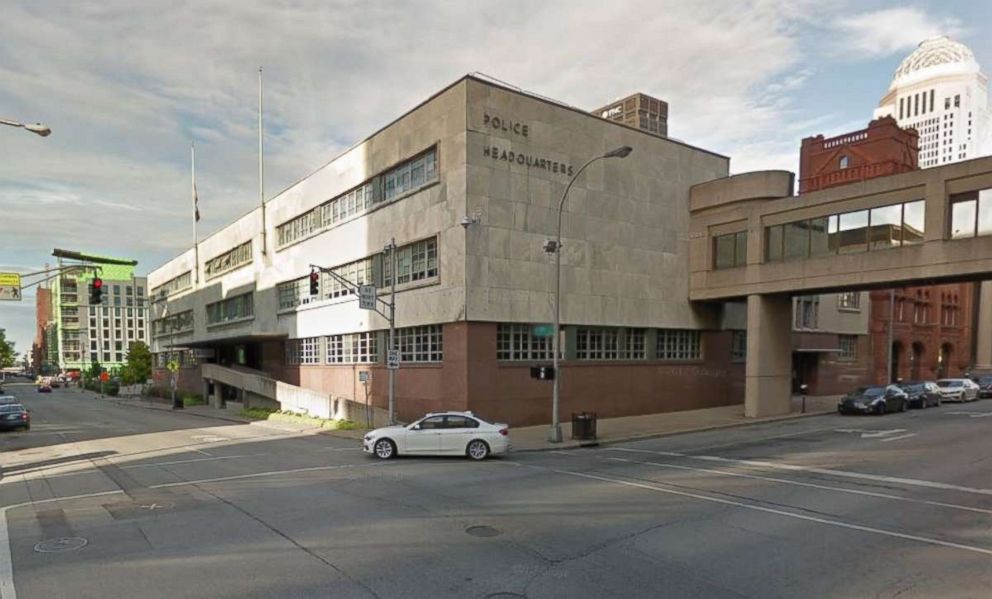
[261, 163]
[392, 329]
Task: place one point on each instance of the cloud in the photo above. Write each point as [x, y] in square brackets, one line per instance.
[890, 30]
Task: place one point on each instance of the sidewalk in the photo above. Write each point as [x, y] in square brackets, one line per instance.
[535, 438]
[628, 428]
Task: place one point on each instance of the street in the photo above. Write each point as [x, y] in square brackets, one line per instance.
[101, 499]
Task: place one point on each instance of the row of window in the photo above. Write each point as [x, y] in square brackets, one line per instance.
[233, 308]
[881, 227]
[184, 357]
[415, 262]
[971, 214]
[183, 281]
[405, 177]
[229, 260]
[524, 342]
[171, 325]
[730, 250]
[415, 344]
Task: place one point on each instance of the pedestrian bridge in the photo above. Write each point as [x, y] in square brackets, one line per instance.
[751, 238]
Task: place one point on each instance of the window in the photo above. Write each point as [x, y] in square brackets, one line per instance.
[421, 344]
[410, 175]
[848, 346]
[460, 422]
[679, 344]
[971, 214]
[239, 307]
[849, 301]
[171, 325]
[738, 346]
[609, 344]
[886, 229]
[183, 281]
[845, 161]
[292, 352]
[414, 262]
[519, 342]
[228, 261]
[359, 272]
[354, 348]
[309, 351]
[957, 101]
[807, 312]
[730, 250]
[293, 293]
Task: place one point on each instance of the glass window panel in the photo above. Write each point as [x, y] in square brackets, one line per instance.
[886, 223]
[796, 240]
[740, 253]
[819, 240]
[985, 212]
[853, 232]
[773, 250]
[913, 222]
[724, 251]
[963, 219]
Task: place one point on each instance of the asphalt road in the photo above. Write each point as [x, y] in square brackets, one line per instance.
[106, 500]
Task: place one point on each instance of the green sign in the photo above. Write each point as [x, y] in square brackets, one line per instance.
[543, 330]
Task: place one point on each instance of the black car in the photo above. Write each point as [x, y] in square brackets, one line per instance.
[874, 400]
[922, 394]
[14, 416]
[984, 383]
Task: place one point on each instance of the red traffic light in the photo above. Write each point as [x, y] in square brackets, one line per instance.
[97, 283]
[314, 276]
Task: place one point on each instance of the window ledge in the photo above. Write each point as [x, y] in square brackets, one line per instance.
[235, 321]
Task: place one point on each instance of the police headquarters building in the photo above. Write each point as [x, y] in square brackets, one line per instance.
[467, 184]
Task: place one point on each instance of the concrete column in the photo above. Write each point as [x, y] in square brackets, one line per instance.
[983, 336]
[767, 390]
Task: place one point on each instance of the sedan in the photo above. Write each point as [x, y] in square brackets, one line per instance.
[14, 416]
[445, 433]
[984, 383]
[958, 389]
[922, 394]
[874, 400]
[7, 399]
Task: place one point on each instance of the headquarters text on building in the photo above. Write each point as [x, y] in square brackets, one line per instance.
[528, 160]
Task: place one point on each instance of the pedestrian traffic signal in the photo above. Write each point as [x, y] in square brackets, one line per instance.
[314, 282]
[96, 291]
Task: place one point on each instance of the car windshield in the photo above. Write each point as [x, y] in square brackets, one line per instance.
[914, 388]
[985, 380]
[11, 408]
[949, 383]
[871, 391]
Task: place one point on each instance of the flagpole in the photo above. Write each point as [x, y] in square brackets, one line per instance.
[196, 214]
[261, 162]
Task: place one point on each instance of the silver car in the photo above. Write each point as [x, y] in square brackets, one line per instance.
[958, 389]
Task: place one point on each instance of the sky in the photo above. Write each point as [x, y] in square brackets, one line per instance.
[126, 87]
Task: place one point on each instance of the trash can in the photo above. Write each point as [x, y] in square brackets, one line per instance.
[584, 426]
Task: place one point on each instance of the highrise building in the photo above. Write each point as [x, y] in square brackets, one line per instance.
[640, 111]
[941, 91]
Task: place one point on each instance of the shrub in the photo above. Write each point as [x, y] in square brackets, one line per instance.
[257, 413]
[193, 399]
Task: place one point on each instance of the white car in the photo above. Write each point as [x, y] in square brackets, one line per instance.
[958, 389]
[440, 433]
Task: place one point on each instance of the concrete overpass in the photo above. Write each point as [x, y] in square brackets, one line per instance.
[751, 238]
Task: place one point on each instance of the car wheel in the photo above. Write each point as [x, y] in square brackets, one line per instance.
[478, 450]
[902, 406]
[881, 409]
[384, 449]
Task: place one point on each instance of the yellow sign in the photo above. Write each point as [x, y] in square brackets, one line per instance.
[10, 286]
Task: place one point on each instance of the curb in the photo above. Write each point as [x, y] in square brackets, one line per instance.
[685, 431]
[130, 404]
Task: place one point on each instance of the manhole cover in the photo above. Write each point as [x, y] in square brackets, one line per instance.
[63, 544]
[482, 531]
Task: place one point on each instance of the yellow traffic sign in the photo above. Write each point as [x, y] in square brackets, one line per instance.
[10, 286]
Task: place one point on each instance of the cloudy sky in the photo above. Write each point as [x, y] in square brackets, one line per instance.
[126, 86]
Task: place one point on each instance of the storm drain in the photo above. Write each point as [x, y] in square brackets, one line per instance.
[63, 544]
[482, 531]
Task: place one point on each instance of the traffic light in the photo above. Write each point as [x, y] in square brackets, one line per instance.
[96, 291]
[314, 282]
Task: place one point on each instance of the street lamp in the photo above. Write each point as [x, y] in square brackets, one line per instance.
[554, 435]
[36, 128]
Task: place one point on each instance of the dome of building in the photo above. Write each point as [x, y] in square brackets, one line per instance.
[935, 56]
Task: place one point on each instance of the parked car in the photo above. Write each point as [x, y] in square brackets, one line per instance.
[14, 416]
[958, 389]
[876, 399]
[445, 433]
[984, 383]
[922, 394]
[44, 388]
[7, 399]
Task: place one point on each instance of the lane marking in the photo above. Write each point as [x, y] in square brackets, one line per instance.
[261, 474]
[191, 461]
[810, 485]
[658, 488]
[971, 414]
[810, 469]
[899, 437]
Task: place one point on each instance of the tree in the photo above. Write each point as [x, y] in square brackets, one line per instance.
[8, 357]
[138, 368]
[95, 371]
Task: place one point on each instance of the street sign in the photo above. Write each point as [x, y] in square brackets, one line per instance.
[10, 286]
[543, 330]
[104, 377]
[363, 377]
[172, 366]
[366, 297]
[542, 373]
[393, 359]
